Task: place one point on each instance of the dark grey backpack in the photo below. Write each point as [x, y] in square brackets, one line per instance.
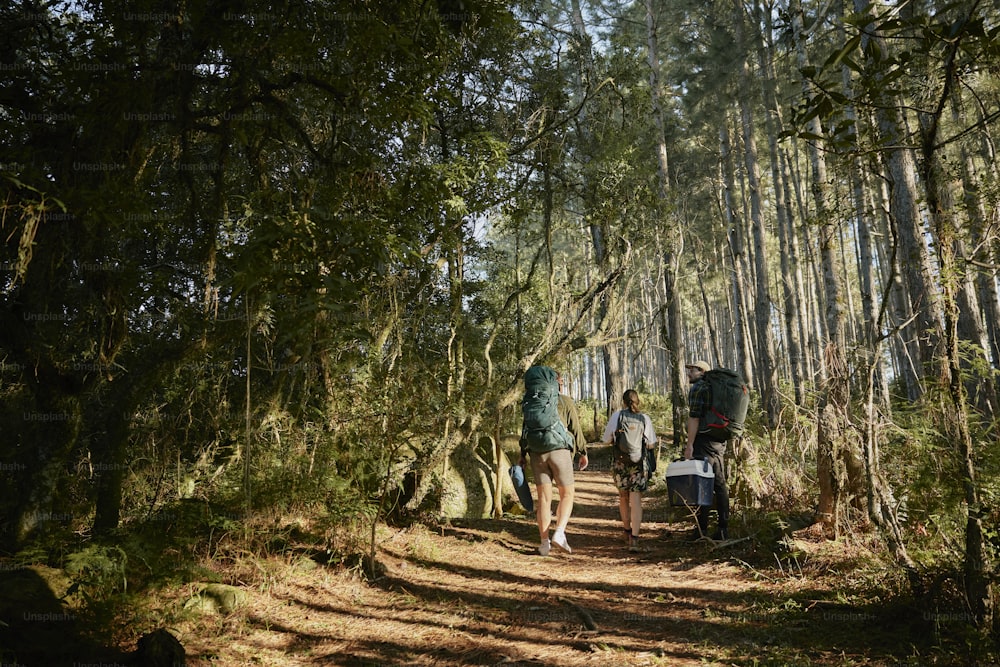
[630, 438]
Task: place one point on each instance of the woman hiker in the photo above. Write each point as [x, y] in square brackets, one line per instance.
[629, 428]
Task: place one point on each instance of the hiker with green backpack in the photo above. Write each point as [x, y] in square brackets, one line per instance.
[717, 408]
[633, 444]
[551, 435]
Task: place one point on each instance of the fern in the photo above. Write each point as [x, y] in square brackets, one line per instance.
[98, 572]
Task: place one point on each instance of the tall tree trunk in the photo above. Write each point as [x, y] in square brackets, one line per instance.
[453, 240]
[991, 246]
[734, 237]
[53, 427]
[671, 311]
[921, 330]
[783, 210]
[112, 453]
[838, 458]
[865, 260]
[881, 509]
[905, 364]
[766, 375]
[985, 282]
[978, 584]
[791, 246]
[978, 587]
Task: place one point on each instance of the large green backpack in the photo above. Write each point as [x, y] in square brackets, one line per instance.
[730, 402]
[543, 431]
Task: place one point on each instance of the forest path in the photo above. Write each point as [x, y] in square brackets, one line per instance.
[476, 592]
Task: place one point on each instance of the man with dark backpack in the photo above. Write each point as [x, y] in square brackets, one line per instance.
[550, 435]
[717, 406]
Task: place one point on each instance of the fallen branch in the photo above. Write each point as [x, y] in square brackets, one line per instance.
[588, 620]
[728, 543]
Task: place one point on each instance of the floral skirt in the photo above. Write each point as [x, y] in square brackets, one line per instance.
[630, 476]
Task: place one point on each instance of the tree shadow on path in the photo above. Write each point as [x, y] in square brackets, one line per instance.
[679, 599]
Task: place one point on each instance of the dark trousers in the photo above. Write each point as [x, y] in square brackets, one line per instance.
[714, 453]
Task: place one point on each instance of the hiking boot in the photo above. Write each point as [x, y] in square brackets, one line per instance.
[559, 539]
[545, 547]
[696, 534]
[635, 546]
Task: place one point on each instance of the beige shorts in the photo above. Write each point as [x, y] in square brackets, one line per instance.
[555, 466]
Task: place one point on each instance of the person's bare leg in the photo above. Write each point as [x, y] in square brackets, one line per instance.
[563, 512]
[635, 505]
[623, 510]
[565, 508]
[543, 509]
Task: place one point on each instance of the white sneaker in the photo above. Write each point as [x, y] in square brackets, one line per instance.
[559, 539]
[545, 547]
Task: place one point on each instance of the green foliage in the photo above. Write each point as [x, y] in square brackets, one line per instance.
[98, 573]
[263, 195]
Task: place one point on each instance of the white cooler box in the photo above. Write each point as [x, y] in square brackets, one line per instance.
[690, 482]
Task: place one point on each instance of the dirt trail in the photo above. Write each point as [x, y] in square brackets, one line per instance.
[477, 592]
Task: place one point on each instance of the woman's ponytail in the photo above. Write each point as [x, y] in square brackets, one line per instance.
[630, 399]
